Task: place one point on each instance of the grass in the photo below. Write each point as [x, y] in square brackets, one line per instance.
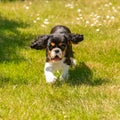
[93, 90]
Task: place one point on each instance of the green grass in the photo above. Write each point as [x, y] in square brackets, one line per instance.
[93, 90]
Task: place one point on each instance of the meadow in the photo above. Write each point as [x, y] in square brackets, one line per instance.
[93, 89]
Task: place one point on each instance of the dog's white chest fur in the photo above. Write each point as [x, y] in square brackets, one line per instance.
[51, 67]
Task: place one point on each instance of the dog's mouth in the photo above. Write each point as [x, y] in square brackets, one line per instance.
[56, 58]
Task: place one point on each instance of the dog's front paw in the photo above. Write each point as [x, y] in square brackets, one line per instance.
[64, 77]
[50, 79]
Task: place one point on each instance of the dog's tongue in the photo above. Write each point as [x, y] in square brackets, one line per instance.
[56, 58]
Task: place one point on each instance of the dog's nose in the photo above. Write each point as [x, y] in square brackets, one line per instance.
[57, 51]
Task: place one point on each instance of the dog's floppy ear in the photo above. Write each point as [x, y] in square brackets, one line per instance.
[40, 42]
[76, 38]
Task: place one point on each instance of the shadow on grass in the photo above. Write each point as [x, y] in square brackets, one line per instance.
[82, 74]
[6, 80]
[11, 40]
[3, 81]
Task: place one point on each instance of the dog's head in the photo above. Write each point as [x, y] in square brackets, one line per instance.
[58, 44]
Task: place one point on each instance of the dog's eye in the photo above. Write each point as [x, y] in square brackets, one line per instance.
[51, 47]
[63, 46]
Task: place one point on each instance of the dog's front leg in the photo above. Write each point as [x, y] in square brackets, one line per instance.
[65, 73]
[48, 71]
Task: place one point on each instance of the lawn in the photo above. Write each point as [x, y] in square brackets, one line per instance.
[93, 89]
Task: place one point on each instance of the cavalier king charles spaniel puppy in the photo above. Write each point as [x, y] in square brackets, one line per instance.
[59, 53]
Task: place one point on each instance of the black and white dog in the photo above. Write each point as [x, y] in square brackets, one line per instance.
[59, 53]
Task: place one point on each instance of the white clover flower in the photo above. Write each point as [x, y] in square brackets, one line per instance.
[80, 15]
[79, 10]
[110, 3]
[98, 17]
[46, 21]
[104, 21]
[30, 3]
[106, 5]
[38, 14]
[81, 18]
[118, 29]
[87, 22]
[100, 24]
[43, 26]
[112, 18]
[114, 9]
[69, 5]
[38, 18]
[92, 25]
[26, 7]
[47, 1]
[118, 7]
[107, 16]
[97, 30]
[34, 21]
[77, 18]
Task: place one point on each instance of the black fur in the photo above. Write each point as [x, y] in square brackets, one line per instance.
[60, 29]
[76, 38]
[41, 41]
[58, 32]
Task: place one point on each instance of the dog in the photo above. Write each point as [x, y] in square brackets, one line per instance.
[59, 53]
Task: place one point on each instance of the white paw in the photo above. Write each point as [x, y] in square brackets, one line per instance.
[64, 77]
[50, 79]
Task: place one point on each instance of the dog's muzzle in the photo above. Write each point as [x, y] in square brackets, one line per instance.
[56, 54]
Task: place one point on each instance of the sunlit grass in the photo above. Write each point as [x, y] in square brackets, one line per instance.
[93, 90]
